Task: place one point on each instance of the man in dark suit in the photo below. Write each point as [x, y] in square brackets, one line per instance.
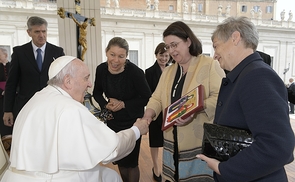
[25, 78]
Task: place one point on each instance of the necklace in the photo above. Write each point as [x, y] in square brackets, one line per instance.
[176, 85]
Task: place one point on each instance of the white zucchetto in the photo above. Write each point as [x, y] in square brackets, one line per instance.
[58, 64]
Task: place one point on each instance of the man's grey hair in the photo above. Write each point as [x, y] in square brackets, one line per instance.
[243, 25]
[35, 20]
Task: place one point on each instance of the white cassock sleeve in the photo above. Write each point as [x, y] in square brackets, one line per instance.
[97, 142]
[125, 146]
[85, 140]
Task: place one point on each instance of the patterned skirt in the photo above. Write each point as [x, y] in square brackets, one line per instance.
[191, 169]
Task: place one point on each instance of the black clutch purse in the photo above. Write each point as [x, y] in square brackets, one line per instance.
[222, 142]
[102, 114]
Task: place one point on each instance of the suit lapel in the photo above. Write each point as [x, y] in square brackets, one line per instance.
[48, 56]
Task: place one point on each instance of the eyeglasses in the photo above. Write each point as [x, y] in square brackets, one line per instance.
[172, 45]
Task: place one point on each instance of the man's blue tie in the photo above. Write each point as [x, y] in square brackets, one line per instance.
[39, 59]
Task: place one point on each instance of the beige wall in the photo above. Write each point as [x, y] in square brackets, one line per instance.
[209, 6]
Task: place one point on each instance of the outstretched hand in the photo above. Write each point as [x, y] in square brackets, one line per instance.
[142, 125]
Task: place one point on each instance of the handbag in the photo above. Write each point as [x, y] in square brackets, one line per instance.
[102, 114]
[223, 142]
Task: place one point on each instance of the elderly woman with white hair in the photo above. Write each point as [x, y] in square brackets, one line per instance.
[251, 97]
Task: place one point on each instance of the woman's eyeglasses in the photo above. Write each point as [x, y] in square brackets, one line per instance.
[173, 45]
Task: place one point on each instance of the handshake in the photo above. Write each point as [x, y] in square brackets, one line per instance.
[142, 125]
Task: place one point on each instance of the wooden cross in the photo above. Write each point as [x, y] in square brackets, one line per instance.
[82, 23]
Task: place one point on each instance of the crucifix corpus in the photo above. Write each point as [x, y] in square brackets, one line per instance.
[82, 23]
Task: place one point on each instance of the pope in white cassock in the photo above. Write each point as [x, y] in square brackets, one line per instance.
[56, 138]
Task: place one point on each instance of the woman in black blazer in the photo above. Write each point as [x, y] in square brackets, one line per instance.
[152, 75]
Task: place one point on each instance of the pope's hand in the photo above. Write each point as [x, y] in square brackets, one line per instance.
[142, 125]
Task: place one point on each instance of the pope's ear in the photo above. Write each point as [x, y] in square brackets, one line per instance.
[67, 81]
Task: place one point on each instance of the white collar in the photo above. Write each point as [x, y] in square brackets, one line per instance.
[60, 90]
[35, 47]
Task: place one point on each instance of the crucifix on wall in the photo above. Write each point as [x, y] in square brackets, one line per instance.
[82, 23]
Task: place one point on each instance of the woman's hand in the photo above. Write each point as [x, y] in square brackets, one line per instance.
[182, 122]
[212, 163]
[149, 114]
[149, 119]
[115, 105]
